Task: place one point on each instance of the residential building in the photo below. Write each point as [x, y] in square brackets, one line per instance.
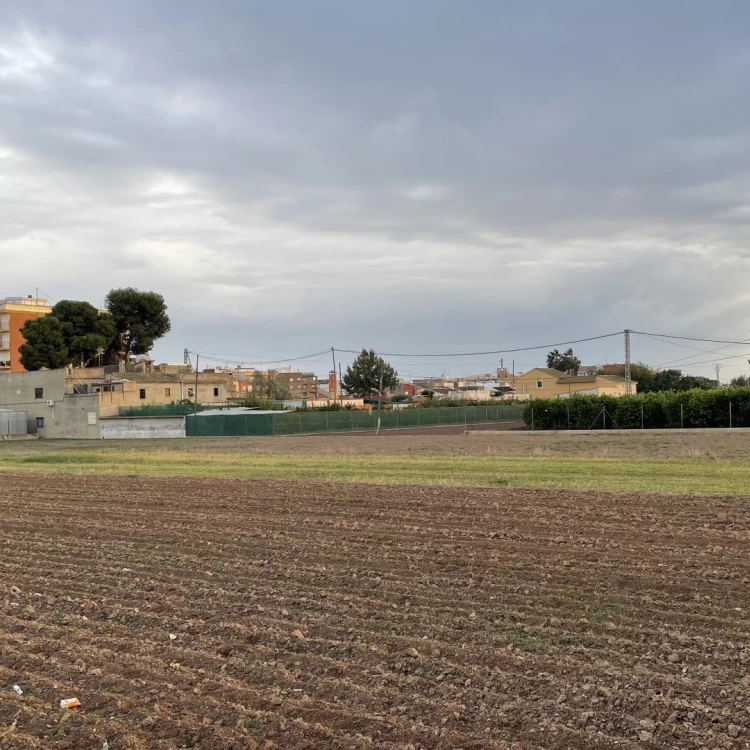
[301, 385]
[174, 369]
[544, 382]
[592, 370]
[14, 312]
[69, 403]
[148, 389]
[53, 408]
[408, 389]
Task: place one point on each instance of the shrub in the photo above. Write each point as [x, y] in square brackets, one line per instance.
[665, 409]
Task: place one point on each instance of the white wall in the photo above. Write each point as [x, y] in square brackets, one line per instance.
[130, 428]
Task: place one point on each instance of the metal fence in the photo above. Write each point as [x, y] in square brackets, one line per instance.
[354, 420]
[13, 423]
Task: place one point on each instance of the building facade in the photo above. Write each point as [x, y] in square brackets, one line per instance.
[53, 408]
[544, 382]
[301, 385]
[14, 312]
[135, 389]
[70, 403]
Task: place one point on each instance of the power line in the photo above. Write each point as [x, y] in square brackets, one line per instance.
[690, 338]
[685, 346]
[250, 360]
[493, 351]
[690, 356]
[237, 360]
[712, 362]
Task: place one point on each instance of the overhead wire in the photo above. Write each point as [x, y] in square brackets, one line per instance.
[711, 362]
[663, 338]
[690, 338]
[493, 351]
[690, 356]
[238, 360]
[706, 363]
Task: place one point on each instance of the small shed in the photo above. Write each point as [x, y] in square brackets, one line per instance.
[13, 423]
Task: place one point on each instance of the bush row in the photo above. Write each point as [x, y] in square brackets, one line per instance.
[666, 409]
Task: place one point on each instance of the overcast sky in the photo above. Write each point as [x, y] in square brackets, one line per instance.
[409, 175]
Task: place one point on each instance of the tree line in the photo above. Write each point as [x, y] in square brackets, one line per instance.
[75, 332]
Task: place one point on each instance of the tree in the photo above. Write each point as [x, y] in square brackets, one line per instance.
[565, 361]
[45, 344]
[740, 380]
[641, 373]
[369, 374]
[140, 318]
[689, 382]
[268, 385]
[85, 329]
[674, 380]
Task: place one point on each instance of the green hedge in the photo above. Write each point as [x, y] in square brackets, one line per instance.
[667, 409]
[160, 410]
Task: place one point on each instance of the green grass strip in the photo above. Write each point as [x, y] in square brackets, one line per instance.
[695, 476]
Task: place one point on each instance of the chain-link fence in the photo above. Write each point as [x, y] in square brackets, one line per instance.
[354, 420]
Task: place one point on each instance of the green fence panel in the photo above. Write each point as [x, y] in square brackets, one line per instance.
[228, 425]
[354, 420]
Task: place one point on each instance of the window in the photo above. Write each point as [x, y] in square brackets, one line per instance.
[190, 392]
[40, 422]
[167, 392]
[216, 393]
[38, 392]
[142, 393]
[539, 384]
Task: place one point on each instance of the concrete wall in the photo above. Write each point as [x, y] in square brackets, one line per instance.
[127, 428]
[67, 417]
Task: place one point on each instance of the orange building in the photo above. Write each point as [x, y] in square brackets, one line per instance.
[14, 312]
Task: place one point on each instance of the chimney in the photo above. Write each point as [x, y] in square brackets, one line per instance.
[332, 385]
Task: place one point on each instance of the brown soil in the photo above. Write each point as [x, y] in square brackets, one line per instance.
[231, 614]
[508, 440]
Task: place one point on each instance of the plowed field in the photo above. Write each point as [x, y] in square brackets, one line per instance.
[233, 614]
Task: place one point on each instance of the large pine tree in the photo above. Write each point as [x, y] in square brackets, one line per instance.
[369, 374]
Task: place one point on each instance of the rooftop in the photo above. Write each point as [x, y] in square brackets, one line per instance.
[29, 301]
[590, 378]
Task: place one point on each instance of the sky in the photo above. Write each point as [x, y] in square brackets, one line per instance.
[414, 177]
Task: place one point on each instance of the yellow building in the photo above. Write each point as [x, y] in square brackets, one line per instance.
[544, 382]
[117, 390]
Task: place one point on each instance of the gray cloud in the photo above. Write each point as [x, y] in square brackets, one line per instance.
[414, 176]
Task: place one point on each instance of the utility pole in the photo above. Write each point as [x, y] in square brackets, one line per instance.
[341, 386]
[195, 407]
[380, 392]
[718, 370]
[333, 355]
[628, 382]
